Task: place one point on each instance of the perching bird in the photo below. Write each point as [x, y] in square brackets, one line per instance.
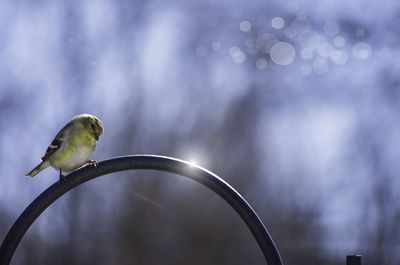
[73, 145]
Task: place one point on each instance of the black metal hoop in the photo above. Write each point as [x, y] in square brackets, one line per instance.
[132, 162]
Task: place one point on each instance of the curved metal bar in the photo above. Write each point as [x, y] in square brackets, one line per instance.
[160, 163]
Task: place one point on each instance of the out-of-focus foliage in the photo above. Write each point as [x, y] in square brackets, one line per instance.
[294, 103]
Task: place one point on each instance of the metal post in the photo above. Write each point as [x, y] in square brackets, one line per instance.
[353, 260]
[161, 163]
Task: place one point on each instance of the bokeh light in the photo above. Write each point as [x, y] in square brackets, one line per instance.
[320, 66]
[325, 49]
[238, 56]
[282, 53]
[245, 26]
[339, 41]
[278, 23]
[261, 64]
[339, 57]
[310, 39]
[362, 51]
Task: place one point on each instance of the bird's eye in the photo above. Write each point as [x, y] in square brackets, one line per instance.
[93, 128]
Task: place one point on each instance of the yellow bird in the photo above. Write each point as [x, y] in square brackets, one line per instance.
[73, 145]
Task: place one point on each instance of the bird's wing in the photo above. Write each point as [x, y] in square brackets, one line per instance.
[57, 141]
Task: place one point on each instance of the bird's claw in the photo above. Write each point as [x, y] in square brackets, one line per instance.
[93, 163]
[62, 179]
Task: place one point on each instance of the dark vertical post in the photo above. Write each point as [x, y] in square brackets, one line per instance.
[353, 260]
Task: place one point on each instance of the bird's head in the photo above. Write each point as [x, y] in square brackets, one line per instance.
[97, 127]
[93, 123]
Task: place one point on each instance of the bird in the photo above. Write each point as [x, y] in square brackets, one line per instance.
[73, 146]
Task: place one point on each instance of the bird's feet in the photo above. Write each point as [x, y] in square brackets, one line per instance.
[92, 163]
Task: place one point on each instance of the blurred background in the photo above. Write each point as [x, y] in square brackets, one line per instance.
[294, 103]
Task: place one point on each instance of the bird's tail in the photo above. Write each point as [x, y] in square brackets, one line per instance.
[38, 168]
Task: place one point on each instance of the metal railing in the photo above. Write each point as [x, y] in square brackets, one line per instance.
[135, 162]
